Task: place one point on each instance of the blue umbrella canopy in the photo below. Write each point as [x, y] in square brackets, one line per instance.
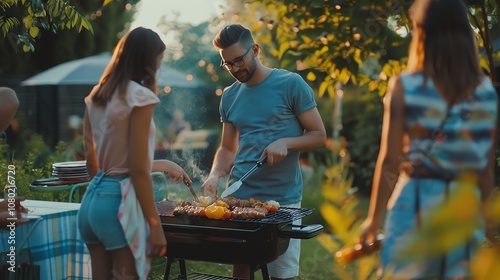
[88, 71]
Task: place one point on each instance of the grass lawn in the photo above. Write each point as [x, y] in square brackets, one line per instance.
[315, 264]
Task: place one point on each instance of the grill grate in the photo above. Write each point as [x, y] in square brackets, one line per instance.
[201, 276]
[285, 214]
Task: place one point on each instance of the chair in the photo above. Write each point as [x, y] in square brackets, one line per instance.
[54, 185]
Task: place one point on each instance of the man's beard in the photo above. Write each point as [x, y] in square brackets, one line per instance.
[244, 75]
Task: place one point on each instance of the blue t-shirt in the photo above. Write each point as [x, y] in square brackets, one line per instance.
[263, 113]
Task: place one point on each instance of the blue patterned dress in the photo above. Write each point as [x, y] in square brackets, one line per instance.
[461, 145]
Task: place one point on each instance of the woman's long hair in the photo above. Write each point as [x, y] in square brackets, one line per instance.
[444, 47]
[134, 58]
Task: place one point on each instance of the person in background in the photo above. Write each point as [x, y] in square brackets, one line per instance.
[119, 135]
[177, 125]
[439, 122]
[8, 109]
[266, 112]
[6, 214]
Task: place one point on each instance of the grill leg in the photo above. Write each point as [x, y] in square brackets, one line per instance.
[167, 269]
[263, 268]
[182, 267]
[265, 273]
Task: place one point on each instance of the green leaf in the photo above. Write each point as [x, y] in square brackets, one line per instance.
[283, 48]
[311, 76]
[87, 25]
[106, 2]
[323, 86]
[28, 21]
[78, 23]
[306, 39]
[34, 31]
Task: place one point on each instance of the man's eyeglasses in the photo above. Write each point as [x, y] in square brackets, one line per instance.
[237, 62]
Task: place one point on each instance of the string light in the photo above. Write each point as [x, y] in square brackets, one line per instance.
[356, 33]
[99, 12]
[324, 38]
[337, 4]
[167, 89]
[270, 24]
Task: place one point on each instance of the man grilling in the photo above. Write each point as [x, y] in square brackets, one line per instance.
[265, 112]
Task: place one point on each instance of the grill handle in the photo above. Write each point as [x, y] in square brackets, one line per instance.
[302, 231]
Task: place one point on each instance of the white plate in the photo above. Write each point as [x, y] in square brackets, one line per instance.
[65, 164]
[70, 172]
[72, 176]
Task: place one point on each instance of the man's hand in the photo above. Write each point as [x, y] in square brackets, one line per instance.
[276, 151]
[209, 187]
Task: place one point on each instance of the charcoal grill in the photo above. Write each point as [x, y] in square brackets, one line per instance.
[254, 242]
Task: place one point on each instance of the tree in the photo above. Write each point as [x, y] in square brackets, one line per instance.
[50, 15]
[52, 47]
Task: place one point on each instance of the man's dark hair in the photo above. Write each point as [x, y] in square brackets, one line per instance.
[232, 34]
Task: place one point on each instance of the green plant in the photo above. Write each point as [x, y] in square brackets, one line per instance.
[362, 123]
[33, 161]
[343, 210]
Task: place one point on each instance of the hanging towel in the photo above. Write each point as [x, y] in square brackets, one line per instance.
[135, 227]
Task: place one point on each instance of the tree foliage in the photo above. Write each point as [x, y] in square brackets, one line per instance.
[50, 15]
[362, 42]
[52, 48]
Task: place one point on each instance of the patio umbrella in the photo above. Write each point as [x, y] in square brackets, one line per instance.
[88, 71]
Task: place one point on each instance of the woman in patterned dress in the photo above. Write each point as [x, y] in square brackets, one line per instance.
[439, 123]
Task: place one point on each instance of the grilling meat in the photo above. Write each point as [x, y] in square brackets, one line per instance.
[243, 209]
[190, 210]
[246, 213]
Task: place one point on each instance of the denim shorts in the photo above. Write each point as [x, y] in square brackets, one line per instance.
[98, 215]
[400, 230]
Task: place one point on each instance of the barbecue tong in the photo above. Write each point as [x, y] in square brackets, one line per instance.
[236, 185]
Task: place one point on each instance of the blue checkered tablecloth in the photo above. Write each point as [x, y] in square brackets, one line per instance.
[54, 240]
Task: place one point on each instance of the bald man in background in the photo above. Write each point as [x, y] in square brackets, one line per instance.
[8, 107]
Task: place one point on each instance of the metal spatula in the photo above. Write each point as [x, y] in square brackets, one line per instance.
[236, 185]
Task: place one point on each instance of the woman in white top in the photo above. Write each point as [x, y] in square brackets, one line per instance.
[119, 136]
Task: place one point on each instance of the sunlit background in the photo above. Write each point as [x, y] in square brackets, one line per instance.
[187, 11]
